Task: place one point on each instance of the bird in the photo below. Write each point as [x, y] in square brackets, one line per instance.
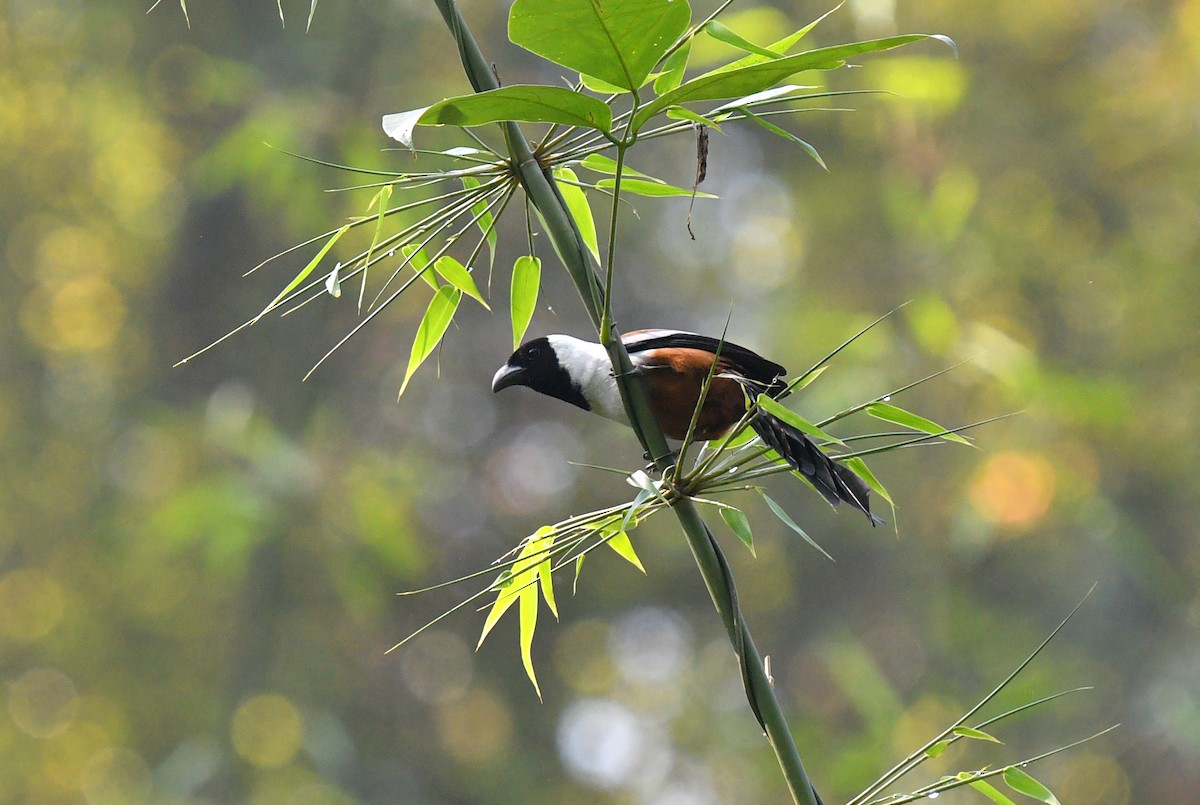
[675, 365]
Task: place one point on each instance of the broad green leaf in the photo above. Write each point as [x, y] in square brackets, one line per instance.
[529, 613]
[479, 210]
[1018, 780]
[417, 258]
[533, 103]
[577, 204]
[433, 326]
[787, 135]
[738, 524]
[891, 413]
[978, 735]
[457, 275]
[618, 41]
[602, 164]
[722, 33]
[790, 417]
[654, 189]
[526, 279]
[620, 543]
[988, 790]
[860, 468]
[381, 198]
[303, 275]
[673, 69]
[778, 511]
[758, 77]
[683, 113]
[603, 87]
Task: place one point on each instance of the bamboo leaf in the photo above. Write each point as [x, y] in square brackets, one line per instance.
[990, 791]
[457, 275]
[303, 275]
[753, 78]
[418, 259]
[620, 542]
[433, 326]
[978, 735]
[578, 205]
[783, 516]
[673, 69]
[722, 33]
[782, 46]
[859, 468]
[333, 283]
[935, 750]
[526, 280]
[891, 413]
[740, 525]
[790, 417]
[618, 41]
[1020, 781]
[483, 218]
[540, 546]
[787, 135]
[529, 613]
[381, 198]
[602, 164]
[655, 189]
[506, 596]
[683, 113]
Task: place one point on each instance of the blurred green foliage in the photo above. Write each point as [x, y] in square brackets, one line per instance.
[197, 565]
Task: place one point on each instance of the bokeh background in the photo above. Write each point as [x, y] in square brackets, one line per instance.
[198, 565]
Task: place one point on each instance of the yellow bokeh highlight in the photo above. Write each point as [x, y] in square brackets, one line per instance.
[31, 605]
[1092, 777]
[65, 758]
[79, 316]
[43, 702]
[267, 730]
[115, 776]
[476, 729]
[1014, 489]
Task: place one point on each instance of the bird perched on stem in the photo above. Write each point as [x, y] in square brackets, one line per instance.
[676, 365]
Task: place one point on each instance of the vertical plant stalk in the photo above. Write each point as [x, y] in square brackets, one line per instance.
[542, 191]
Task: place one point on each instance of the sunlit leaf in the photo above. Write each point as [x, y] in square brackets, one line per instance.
[506, 596]
[673, 69]
[603, 87]
[457, 275]
[860, 468]
[787, 135]
[935, 750]
[989, 791]
[738, 524]
[579, 208]
[683, 113]
[722, 33]
[891, 413]
[790, 417]
[433, 326]
[381, 199]
[578, 569]
[526, 279]
[540, 546]
[417, 259]
[303, 275]
[654, 189]
[757, 77]
[602, 164]
[618, 41]
[483, 219]
[400, 125]
[1018, 780]
[978, 735]
[804, 380]
[619, 542]
[757, 98]
[781, 46]
[784, 518]
[529, 613]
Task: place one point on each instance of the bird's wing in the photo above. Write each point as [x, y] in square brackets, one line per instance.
[739, 359]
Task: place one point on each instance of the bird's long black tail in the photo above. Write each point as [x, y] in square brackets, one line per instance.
[834, 481]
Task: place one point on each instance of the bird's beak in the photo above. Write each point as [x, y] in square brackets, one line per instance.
[508, 375]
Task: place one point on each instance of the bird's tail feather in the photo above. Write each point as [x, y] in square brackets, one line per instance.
[834, 481]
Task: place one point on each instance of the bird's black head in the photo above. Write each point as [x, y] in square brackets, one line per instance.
[536, 365]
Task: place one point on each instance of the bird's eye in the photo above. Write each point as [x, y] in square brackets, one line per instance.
[534, 352]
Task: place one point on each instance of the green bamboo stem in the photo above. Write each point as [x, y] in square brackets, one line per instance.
[544, 194]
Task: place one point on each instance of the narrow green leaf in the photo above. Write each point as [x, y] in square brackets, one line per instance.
[578, 205]
[433, 326]
[303, 275]
[417, 259]
[757, 77]
[654, 189]
[990, 791]
[603, 87]
[722, 33]
[859, 468]
[541, 547]
[782, 46]
[526, 280]
[978, 735]
[683, 113]
[790, 417]
[333, 283]
[620, 543]
[618, 41]
[529, 613]
[312, 10]
[673, 69]
[1018, 780]
[778, 511]
[505, 597]
[787, 135]
[483, 219]
[602, 164]
[457, 275]
[738, 524]
[804, 380]
[578, 569]
[381, 198]
[891, 413]
[935, 750]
